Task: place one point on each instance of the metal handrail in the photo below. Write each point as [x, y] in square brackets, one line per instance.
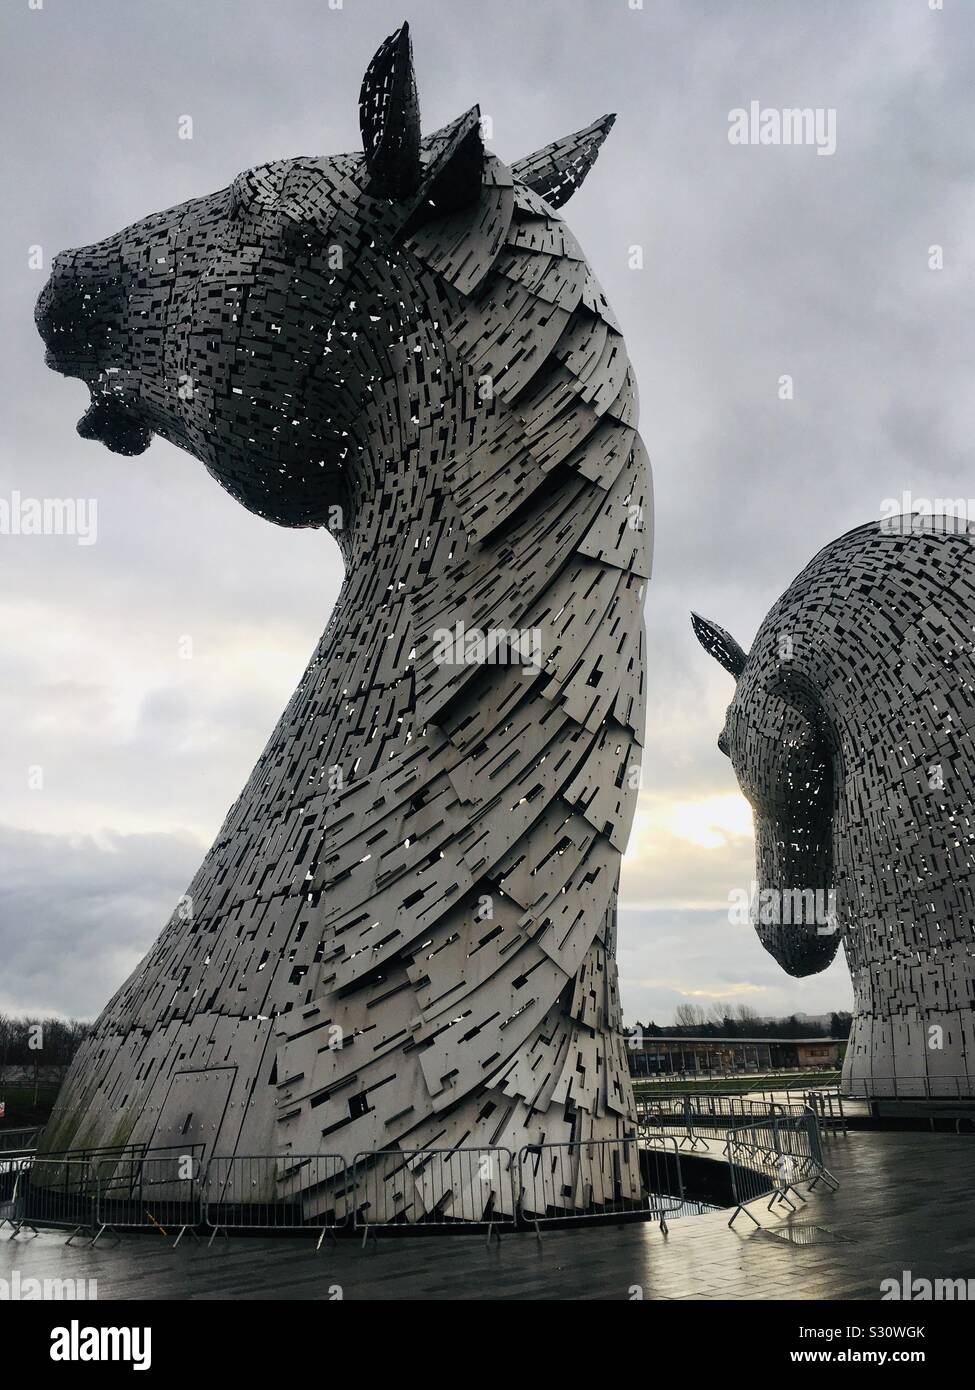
[19, 1139]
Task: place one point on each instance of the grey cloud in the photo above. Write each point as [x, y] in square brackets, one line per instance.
[77, 914]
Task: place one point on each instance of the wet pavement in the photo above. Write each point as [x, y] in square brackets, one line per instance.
[906, 1202]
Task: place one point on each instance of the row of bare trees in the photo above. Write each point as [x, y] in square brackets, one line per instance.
[741, 1021]
[31, 1046]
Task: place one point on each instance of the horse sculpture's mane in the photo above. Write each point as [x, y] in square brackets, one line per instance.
[851, 734]
[404, 933]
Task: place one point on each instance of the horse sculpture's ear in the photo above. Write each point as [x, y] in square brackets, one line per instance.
[454, 169]
[556, 171]
[389, 116]
[719, 644]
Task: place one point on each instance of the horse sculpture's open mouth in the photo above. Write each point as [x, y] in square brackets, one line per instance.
[116, 425]
[78, 317]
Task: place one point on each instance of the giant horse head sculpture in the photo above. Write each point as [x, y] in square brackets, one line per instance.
[850, 733]
[404, 933]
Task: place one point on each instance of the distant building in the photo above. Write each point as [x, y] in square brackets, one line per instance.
[665, 1056]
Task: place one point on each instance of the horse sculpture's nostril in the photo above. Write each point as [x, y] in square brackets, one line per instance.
[723, 744]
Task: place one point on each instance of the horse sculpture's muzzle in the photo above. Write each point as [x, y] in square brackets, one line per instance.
[79, 317]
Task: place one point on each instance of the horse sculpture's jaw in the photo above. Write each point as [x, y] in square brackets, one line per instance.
[795, 911]
[404, 933]
[116, 426]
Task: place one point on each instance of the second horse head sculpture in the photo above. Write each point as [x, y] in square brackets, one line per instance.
[850, 732]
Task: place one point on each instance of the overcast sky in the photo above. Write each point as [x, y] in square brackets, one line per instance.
[758, 262]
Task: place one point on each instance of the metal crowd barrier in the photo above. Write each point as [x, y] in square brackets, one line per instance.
[159, 1191]
[300, 1193]
[662, 1174]
[54, 1192]
[11, 1165]
[708, 1114]
[770, 1158]
[826, 1102]
[598, 1177]
[169, 1189]
[94, 1190]
[458, 1188]
[827, 1106]
[11, 1156]
[696, 1118]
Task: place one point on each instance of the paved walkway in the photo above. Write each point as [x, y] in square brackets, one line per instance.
[905, 1203]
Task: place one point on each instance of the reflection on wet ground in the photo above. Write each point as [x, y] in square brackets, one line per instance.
[905, 1203]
